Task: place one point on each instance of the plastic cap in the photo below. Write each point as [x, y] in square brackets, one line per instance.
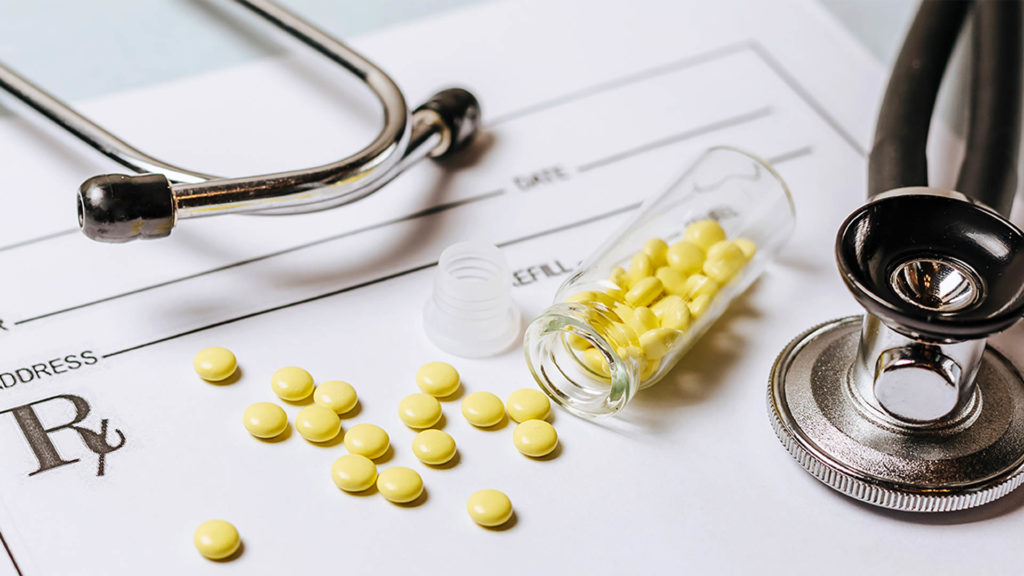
[471, 312]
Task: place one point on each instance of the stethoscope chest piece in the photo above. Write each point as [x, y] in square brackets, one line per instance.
[821, 415]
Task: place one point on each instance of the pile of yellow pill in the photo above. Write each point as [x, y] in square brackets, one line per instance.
[354, 473]
[216, 539]
[336, 395]
[367, 440]
[265, 420]
[215, 364]
[400, 485]
[653, 301]
[438, 379]
[317, 424]
[489, 508]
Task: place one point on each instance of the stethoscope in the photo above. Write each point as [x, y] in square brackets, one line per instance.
[906, 407]
[118, 208]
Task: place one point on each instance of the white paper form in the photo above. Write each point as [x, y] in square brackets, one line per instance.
[589, 108]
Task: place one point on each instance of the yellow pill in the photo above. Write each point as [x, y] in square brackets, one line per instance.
[336, 395]
[216, 539]
[699, 285]
[644, 292]
[656, 249]
[535, 438]
[434, 447]
[438, 379]
[317, 424]
[400, 485]
[665, 303]
[704, 233]
[619, 334]
[592, 297]
[673, 280]
[630, 352]
[367, 440]
[724, 260]
[292, 383]
[595, 361]
[215, 364]
[676, 315]
[483, 409]
[419, 410]
[699, 305]
[489, 508]
[650, 367]
[577, 342]
[640, 267]
[656, 343]
[642, 320]
[265, 420]
[685, 257]
[353, 473]
[528, 404]
[747, 246]
[619, 277]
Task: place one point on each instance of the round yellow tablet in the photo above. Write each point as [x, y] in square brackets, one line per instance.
[336, 395]
[400, 485]
[317, 424]
[292, 383]
[216, 539]
[367, 440]
[434, 447]
[354, 473]
[489, 508]
[528, 404]
[535, 438]
[483, 409]
[215, 364]
[265, 420]
[419, 410]
[438, 379]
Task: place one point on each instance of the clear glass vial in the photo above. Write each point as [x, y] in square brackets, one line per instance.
[636, 305]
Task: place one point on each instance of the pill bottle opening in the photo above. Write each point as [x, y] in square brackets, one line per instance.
[600, 385]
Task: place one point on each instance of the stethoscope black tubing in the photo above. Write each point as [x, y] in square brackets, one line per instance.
[989, 169]
[988, 172]
[897, 156]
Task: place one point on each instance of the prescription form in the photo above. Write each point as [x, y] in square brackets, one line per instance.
[589, 107]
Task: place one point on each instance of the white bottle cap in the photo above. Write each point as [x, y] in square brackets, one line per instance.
[471, 312]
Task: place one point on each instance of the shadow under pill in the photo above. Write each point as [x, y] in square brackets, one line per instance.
[337, 440]
[286, 434]
[234, 555]
[550, 456]
[447, 465]
[421, 499]
[508, 525]
[353, 412]
[234, 378]
[386, 456]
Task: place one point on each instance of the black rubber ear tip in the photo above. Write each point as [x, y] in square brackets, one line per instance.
[119, 208]
[884, 234]
[459, 110]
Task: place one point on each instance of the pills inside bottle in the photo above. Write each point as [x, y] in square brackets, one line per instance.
[216, 539]
[489, 508]
[215, 364]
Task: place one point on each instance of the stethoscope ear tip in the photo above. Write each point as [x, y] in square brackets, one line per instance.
[120, 208]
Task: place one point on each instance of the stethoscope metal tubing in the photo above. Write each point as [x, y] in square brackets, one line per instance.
[117, 208]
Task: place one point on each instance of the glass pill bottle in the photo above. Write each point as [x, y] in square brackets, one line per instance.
[624, 318]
